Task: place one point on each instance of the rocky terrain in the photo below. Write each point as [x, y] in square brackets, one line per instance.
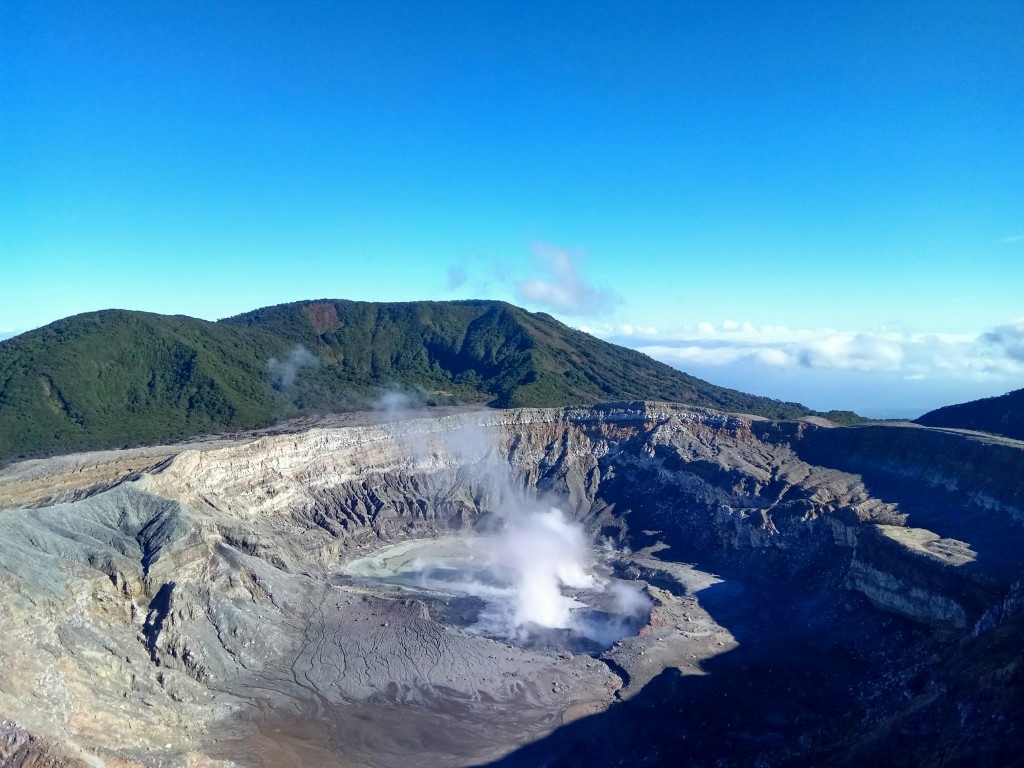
[819, 595]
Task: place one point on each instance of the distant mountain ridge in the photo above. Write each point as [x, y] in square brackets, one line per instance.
[118, 377]
[1002, 415]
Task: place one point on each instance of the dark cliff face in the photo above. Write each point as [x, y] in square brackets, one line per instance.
[849, 596]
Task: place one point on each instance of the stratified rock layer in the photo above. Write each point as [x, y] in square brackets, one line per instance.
[182, 606]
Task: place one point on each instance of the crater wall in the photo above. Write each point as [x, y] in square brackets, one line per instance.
[182, 607]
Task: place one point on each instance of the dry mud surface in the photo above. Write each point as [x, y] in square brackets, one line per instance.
[814, 596]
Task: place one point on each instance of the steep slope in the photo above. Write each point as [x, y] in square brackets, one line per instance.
[1003, 415]
[107, 379]
[114, 378]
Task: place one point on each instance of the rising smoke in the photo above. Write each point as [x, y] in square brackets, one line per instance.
[533, 565]
[548, 576]
[283, 372]
[541, 553]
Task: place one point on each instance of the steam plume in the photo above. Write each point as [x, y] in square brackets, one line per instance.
[283, 372]
[540, 553]
[526, 555]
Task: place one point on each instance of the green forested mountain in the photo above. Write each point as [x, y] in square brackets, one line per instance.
[1003, 415]
[107, 379]
[113, 378]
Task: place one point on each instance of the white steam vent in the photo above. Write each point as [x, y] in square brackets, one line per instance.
[532, 578]
[540, 555]
[536, 580]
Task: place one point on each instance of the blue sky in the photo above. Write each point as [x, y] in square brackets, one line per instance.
[819, 201]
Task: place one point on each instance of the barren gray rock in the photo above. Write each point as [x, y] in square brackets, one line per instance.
[184, 605]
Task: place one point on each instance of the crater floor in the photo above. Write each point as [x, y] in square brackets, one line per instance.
[462, 581]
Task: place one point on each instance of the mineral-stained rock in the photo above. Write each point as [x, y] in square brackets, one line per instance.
[182, 606]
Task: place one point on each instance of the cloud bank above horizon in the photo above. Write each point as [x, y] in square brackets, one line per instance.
[997, 352]
[829, 368]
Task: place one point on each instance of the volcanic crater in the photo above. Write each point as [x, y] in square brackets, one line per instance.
[631, 583]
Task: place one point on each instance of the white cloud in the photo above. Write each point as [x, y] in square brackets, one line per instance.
[693, 354]
[627, 329]
[993, 356]
[857, 351]
[563, 288]
[1011, 239]
[778, 358]
[1008, 337]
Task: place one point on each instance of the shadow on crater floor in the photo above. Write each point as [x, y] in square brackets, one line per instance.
[802, 662]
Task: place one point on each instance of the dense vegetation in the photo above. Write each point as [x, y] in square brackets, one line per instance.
[108, 379]
[1003, 415]
[118, 378]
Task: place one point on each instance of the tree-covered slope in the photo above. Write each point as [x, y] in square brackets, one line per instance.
[107, 379]
[504, 354]
[468, 351]
[113, 378]
[1003, 415]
